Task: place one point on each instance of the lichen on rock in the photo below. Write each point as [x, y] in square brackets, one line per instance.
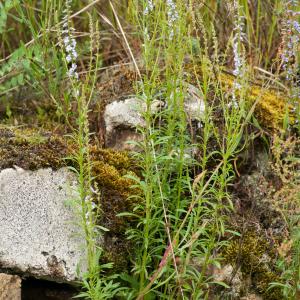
[39, 236]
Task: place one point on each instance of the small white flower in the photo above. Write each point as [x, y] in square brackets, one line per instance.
[172, 16]
[238, 57]
[291, 38]
[65, 19]
[69, 48]
[74, 54]
[66, 40]
[296, 26]
[68, 58]
[72, 73]
[149, 7]
[69, 44]
[76, 93]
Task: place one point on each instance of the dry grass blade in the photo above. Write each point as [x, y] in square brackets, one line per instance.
[126, 41]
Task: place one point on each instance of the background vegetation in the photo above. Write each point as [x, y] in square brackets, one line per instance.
[193, 204]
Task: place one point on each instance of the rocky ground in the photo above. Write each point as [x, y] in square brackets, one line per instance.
[42, 248]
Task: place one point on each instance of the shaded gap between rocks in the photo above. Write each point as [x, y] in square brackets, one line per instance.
[35, 289]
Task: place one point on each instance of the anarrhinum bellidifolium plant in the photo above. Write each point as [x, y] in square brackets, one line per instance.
[180, 216]
[95, 286]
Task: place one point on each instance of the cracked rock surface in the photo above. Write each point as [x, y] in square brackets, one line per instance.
[39, 236]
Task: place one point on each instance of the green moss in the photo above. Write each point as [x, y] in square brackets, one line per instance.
[31, 149]
[255, 256]
[271, 105]
[109, 169]
[117, 250]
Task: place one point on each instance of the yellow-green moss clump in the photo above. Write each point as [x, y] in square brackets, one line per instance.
[271, 105]
[109, 168]
[254, 255]
[31, 149]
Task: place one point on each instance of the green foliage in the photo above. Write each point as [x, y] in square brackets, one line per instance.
[183, 216]
[290, 279]
[14, 70]
[4, 10]
[286, 165]
[180, 201]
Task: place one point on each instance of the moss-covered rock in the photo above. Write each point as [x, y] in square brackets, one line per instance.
[271, 105]
[254, 254]
[31, 149]
[109, 170]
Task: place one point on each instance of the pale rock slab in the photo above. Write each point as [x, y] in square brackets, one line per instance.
[232, 277]
[10, 287]
[194, 105]
[39, 236]
[122, 118]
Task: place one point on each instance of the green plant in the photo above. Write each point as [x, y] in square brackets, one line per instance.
[286, 167]
[182, 216]
[230, 53]
[94, 284]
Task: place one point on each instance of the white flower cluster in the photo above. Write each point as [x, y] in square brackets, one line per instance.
[149, 7]
[291, 38]
[172, 16]
[69, 43]
[238, 57]
[291, 33]
[90, 212]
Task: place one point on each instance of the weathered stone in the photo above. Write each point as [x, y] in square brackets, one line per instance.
[252, 297]
[38, 233]
[194, 105]
[231, 277]
[122, 118]
[10, 287]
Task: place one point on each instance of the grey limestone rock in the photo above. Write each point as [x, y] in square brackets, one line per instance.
[232, 277]
[39, 236]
